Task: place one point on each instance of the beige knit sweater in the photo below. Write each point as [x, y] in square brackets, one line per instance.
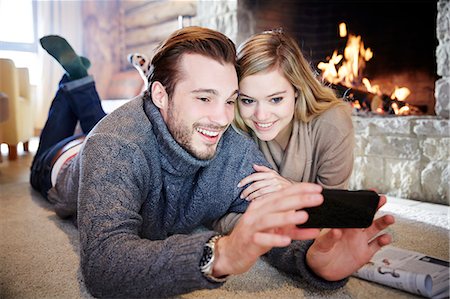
[320, 151]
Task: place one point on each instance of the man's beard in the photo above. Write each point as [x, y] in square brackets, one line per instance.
[183, 136]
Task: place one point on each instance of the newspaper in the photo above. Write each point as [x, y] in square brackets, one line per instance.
[409, 271]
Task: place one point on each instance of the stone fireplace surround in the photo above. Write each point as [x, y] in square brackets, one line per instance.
[409, 156]
[405, 156]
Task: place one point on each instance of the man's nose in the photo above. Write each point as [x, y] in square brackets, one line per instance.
[222, 114]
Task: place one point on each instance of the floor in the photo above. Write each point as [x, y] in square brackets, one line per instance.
[39, 252]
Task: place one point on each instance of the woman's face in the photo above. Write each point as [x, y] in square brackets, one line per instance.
[266, 103]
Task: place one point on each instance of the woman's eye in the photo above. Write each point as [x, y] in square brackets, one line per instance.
[276, 100]
[246, 101]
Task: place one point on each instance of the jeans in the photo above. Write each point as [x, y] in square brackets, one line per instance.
[74, 101]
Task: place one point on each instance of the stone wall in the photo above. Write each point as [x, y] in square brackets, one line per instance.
[218, 15]
[410, 156]
[442, 90]
[403, 156]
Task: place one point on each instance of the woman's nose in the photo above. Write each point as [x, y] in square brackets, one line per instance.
[261, 112]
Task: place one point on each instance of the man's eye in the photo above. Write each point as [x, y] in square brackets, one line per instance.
[246, 101]
[231, 102]
[276, 100]
[203, 99]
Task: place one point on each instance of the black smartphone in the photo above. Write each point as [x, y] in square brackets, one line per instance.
[343, 209]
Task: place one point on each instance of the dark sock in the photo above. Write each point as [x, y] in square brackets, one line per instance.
[86, 62]
[60, 49]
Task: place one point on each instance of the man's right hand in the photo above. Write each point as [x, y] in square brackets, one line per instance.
[269, 221]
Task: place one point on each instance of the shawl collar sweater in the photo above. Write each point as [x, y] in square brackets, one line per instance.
[320, 151]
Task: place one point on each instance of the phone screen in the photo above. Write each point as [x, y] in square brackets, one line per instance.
[343, 209]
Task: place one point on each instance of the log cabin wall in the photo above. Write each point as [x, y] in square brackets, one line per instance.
[113, 29]
[102, 40]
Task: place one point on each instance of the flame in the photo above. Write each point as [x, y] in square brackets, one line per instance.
[329, 71]
[355, 57]
[342, 30]
[371, 88]
[347, 70]
[404, 110]
[395, 107]
[400, 93]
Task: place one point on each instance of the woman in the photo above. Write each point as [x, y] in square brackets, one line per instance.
[303, 129]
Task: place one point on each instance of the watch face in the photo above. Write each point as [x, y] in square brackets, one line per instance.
[207, 255]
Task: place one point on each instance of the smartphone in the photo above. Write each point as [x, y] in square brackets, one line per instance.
[343, 209]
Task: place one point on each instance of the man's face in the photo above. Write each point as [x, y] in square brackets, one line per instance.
[202, 104]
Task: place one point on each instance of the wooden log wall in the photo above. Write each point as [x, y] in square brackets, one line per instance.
[146, 24]
[114, 29]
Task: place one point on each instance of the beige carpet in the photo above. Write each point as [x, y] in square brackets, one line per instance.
[39, 252]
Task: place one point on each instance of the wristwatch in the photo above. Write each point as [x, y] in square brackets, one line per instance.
[207, 260]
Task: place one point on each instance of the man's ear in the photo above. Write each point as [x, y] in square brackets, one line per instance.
[159, 95]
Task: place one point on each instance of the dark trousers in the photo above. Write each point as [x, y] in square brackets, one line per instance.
[74, 101]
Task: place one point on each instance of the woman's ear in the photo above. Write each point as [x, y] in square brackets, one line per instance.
[159, 95]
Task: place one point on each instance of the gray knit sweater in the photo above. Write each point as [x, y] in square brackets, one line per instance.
[140, 199]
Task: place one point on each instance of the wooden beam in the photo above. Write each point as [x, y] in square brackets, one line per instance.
[150, 34]
[158, 12]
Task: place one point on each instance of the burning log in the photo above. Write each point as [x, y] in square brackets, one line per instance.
[374, 102]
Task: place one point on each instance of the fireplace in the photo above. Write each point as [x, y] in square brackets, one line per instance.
[401, 36]
[404, 156]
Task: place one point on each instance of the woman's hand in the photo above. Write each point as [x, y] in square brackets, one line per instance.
[263, 181]
[337, 253]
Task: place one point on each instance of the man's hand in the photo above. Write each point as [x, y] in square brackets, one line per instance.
[337, 253]
[267, 223]
[263, 181]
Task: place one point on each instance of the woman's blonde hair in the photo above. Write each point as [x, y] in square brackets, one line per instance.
[270, 50]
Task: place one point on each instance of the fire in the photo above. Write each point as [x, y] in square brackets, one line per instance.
[347, 70]
[350, 70]
[342, 30]
[400, 93]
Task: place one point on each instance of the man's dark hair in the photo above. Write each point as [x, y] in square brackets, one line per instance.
[188, 40]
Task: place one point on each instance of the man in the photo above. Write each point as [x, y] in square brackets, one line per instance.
[154, 176]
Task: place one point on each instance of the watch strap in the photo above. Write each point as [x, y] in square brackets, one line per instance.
[207, 261]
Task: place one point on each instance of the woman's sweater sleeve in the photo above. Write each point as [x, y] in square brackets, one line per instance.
[292, 260]
[335, 142]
